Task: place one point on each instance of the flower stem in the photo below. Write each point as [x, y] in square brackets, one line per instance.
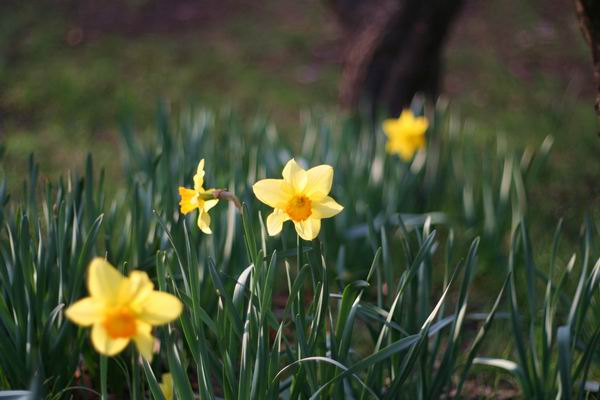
[223, 194]
[103, 377]
[135, 377]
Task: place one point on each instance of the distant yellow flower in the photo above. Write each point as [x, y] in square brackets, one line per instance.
[200, 198]
[406, 135]
[120, 309]
[166, 387]
[301, 196]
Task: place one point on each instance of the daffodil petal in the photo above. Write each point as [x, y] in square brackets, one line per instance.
[106, 345]
[308, 229]
[138, 286]
[390, 126]
[325, 208]
[319, 180]
[273, 192]
[208, 204]
[421, 125]
[408, 140]
[405, 153]
[275, 221]
[166, 386]
[408, 149]
[295, 175]
[399, 148]
[407, 115]
[199, 177]
[159, 308]
[104, 281]
[167, 379]
[144, 341]
[189, 200]
[85, 312]
[204, 222]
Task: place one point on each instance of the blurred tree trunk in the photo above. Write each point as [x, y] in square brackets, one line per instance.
[394, 50]
[588, 12]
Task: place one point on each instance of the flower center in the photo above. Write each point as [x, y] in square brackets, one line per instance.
[120, 323]
[298, 208]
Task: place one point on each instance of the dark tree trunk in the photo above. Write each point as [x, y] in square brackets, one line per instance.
[394, 50]
[588, 12]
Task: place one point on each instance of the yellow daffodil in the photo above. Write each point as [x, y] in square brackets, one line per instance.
[301, 196]
[406, 135]
[200, 198]
[120, 309]
[166, 386]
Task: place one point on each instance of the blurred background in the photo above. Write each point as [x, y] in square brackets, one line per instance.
[72, 71]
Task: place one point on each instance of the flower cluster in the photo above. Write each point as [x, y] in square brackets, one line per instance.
[121, 309]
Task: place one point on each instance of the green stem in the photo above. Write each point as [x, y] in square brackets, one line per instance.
[300, 261]
[135, 377]
[103, 377]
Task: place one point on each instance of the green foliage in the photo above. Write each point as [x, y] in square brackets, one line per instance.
[379, 306]
[553, 352]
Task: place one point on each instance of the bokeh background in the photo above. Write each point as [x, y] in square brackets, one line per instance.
[72, 71]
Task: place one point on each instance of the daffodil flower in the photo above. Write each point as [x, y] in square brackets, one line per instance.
[301, 196]
[120, 309]
[166, 386]
[406, 135]
[200, 198]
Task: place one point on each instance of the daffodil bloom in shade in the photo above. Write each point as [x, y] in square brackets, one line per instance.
[121, 309]
[406, 135]
[200, 198]
[301, 196]
[166, 386]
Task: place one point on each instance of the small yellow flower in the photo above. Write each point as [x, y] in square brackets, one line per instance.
[200, 198]
[120, 309]
[406, 135]
[301, 196]
[166, 387]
